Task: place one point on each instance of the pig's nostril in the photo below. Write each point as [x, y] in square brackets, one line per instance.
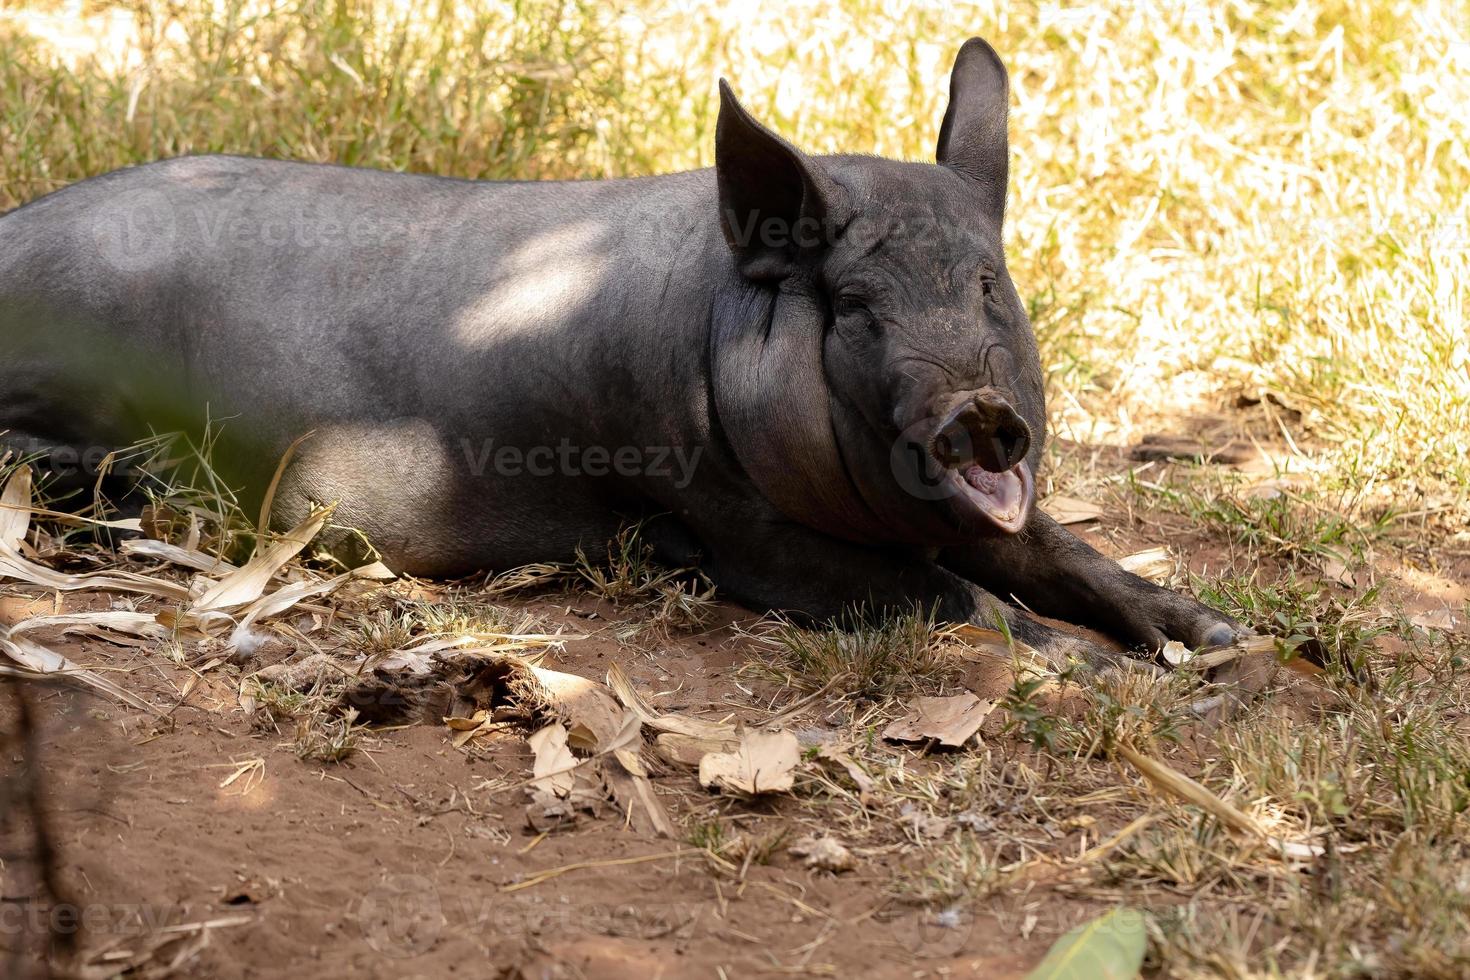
[983, 431]
[1011, 443]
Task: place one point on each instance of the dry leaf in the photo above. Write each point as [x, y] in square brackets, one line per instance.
[678, 724]
[1177, 784]
[600, 726]
[278, 602]
[468, 724]
[375, 572]
[547, 811]
[1155, 564]
[465, 729]
[1070, 510]
[266, 502]
[13, 565]
[628, 783]
[15, 507]
[187, 557]
[595, 721]
[688, 750]
[855, 772]
[952, 721]
[120, 620]
[554, 770]
[39, 660]
[1336, 570]
[246, 584]
[763, 763]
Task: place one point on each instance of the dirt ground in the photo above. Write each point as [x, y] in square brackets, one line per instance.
[393, 862]
[200, 844]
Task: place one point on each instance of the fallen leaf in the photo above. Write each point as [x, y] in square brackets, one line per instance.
[103, 625]
[278, 602]
[36, 659]
[688, 750]
[375, 572]
[267, 502]
[15, 507]
[765, 762]
[1179, 785]
[554, 770]
[465, 729]
[952, 721]
[14, 565]
[1070, 510]
[187, 557]
[1335, 570]
[1155, 564]
[594, 720]
[627, 781]
[823, 854]
[246, 583]
[678, 724]
[547, 810]
[1110, 947]
[468, 724]
[855, 772]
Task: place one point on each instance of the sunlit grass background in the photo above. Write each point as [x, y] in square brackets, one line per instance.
[1208, 199]
[1213, 204]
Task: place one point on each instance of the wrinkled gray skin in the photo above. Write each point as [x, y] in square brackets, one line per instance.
[828, 380]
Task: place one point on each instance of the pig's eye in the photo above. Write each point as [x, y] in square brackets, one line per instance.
[987, 287]
[848, 304]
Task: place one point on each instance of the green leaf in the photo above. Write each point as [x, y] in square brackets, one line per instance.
[1110, 947]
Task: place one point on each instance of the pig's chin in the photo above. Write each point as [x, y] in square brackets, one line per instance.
[1003, 499]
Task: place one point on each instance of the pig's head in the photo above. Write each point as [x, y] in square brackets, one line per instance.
[881, 381]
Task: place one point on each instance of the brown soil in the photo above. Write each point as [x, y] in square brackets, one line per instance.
[393, 862]
[396, 862]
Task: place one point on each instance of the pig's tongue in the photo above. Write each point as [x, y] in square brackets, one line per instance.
[1005, 497]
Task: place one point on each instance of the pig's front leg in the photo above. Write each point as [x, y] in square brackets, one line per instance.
[1053, 572]
[792, 568]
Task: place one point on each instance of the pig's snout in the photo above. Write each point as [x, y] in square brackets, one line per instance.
[981, 428]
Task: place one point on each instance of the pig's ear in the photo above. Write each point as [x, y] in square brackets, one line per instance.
[973, 139]
[776, 204]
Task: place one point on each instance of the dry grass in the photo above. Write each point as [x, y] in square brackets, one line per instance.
[1209, 201]
[652, 600]
[856, 655]
[1238, 198]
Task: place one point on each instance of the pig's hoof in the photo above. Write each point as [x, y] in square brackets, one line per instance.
[1219, 635]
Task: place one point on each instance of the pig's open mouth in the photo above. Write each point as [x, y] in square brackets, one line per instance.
[981, 443]
[1004, 498]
